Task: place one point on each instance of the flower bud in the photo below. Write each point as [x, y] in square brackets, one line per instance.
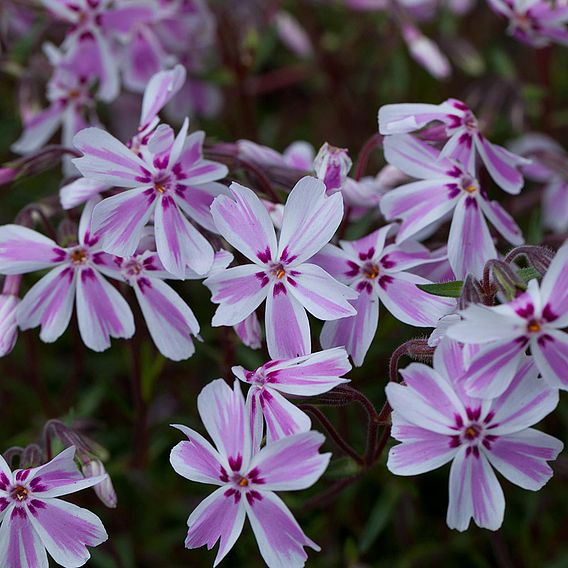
[426, 53]
[7, 175]
[249, 331]
[9, 302]
[104, 490]
[332, 166]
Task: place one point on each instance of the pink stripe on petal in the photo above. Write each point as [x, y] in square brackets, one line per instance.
[550, 352]
[101, 311]
[286, 324]
[554, 288]
[196, 202]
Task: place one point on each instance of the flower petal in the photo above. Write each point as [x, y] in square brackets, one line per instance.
[554, 288]
[80, 191]
[178, 242]
[119, 220]
[196, 459]
[49, 303]
[101, 311]
[170, 321]
[322, 295]
[408, 117]
[219, 517]
[196, 200]
[550, 352]
[39, 129]
[222, 411]
[24, 250]
[66, 530]
[238, 291]
[108, 160]
[280, 539]
[502, 221]
[474, 492]
[522, 457]
[406, 302]
[310, 219]
[427, 400]
[245, 223]
[286, 325]
[355, 333]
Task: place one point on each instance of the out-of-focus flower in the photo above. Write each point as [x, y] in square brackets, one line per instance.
[332, 165]
[9, 302]
[76, 276]
[35, 521]
[302, 376]
[426, 52]
[249, 331]
[299, 154]
[247, 476]
[437, 422]
[534, 319]
[105, 489]
[549, 166]
[535, 22]
[169, 177]
[7, 175]
[378, 273]
[280, 273]
[293, 35]
[446, 187]
[465, 139]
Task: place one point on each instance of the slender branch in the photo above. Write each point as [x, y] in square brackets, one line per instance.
[373, 142]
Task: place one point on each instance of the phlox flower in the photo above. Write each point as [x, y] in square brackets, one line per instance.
[445, 187]
[534, 320]
[280, 272]
[75, 277]
[548, 166]
[437, 423]
[378, 273]
[465, 140]
[332, 165]
[169, 179]
[35, 522]
[535, 22]
[248, 477]
[309, 375]
[299, 154]
[161, 88]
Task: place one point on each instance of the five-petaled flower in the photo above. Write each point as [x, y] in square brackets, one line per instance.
[280, 272]
[34, 520]
[247, 476]
[437, 422]
[465, 138]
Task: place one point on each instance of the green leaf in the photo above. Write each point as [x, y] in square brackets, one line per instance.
[446, 289]
[379, 518]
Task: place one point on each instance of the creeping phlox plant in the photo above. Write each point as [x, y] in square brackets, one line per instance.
[300, 264]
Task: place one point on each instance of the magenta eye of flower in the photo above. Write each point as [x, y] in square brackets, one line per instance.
[370, 270]
[19, 493]
[160, 188]
[79, 256]
[133, 268]
[278, 271]
[470, 122]
[472, 432]
[469, 185]
[533, 326]
[243, 482]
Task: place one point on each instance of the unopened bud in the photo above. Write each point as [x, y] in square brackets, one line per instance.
[7, 175]
[332, 165]
[9, 303]
[104, 490]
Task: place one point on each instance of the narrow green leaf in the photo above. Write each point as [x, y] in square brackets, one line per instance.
[447, 289]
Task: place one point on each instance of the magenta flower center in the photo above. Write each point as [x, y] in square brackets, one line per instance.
[79, 256]
[278, 271]
[469, 184]
[132, 268]
[19, 493]
[370, 270]
[533, 326]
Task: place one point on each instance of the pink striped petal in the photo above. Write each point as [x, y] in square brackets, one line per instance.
[427, 399]
[310, 219]
[522, 457]
[406, 302]
[335, 261]
[222, 411]
[196, 459]
[249, 331]
[355, 333]
[502, 165]
[80, 191]
[101, 311]
[470, 244]
[291, 463]
[282, 417]
[554, 288]
[24, 250]
[196, 202]
[179, 243]
[20, 545]
[550, 352]
[170, 321]
[280, 539]
[219, 517]
[108, 160]
[39, 129]
[245, 223]
[421, 450]
[143, 57]
[474, 493]
[49, 303]
[119, 220]
[322, 295]
[492, 369]
[66, 530]
[238, 291]
[370, 246]
[418, 205]
[502, 221]
[555, 206]
[408, 117]
[286, 324]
